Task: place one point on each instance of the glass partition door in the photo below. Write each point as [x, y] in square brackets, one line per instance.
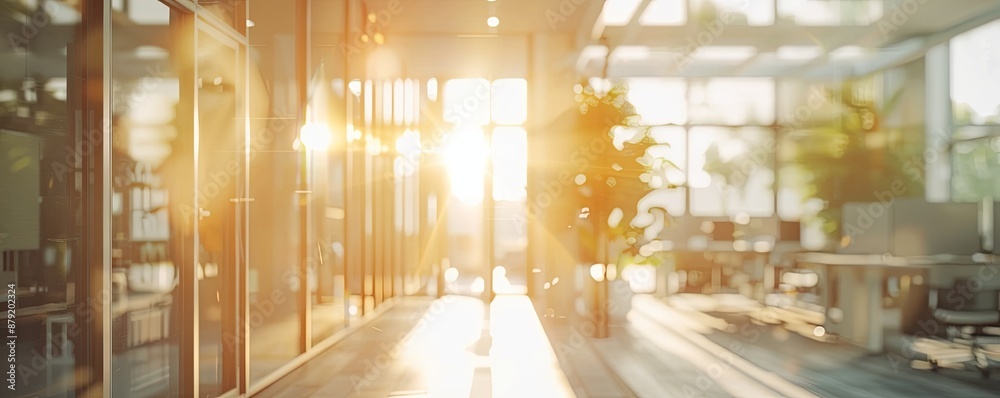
[221, 156]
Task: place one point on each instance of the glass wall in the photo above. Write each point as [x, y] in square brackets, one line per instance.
[273, 280]
[47, 142]
[486, 121]
[718, 145]
[326, 109]
[975, 96]
[150, 161]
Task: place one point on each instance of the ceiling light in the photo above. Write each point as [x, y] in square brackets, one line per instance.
[493, 22]
[848, 52]
[798, 53]
[724, 53]
[150, 52]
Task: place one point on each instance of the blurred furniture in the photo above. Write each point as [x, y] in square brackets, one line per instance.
[986, 353]
[58, 356]
[910, 228]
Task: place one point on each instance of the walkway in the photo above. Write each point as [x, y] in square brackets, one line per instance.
[451, 347]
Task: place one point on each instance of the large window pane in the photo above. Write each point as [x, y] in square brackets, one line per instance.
[42, 163]
[220, 134]
[975, 75]
[467, 102]
[732, 101]
[153, 173]
[510, 101]
[976, 165]
[510, 164]
[327, 107]
[465, 153]
[274, 282]
[618, 12]
[658, 101]
[731, 171]
[510, 181]
[664, 12]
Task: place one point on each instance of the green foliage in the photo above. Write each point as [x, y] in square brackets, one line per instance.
[613, 177]
[834, 153]
[599, 113]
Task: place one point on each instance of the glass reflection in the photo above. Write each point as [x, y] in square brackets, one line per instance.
[220, 184]
[41, 165]
[227, 11]
[147, 165]
[274, 281]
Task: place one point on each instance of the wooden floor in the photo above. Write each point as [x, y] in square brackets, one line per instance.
[451, 347]
[786, 361]
[461, 347]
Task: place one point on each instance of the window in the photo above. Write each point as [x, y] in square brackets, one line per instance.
[474, 107]
[975, 76]
[664, 12]
[731, 171]
[732, 101]
[618, 12]
[976, 166]
[152, 168]
[467, 102]
[510, 102]
[658, 101]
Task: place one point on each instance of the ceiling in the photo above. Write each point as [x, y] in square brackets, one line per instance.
[781, 49]
[468, 17]
[654, 50]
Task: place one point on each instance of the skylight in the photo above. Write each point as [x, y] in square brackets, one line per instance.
[618, 12]
[664, 13]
